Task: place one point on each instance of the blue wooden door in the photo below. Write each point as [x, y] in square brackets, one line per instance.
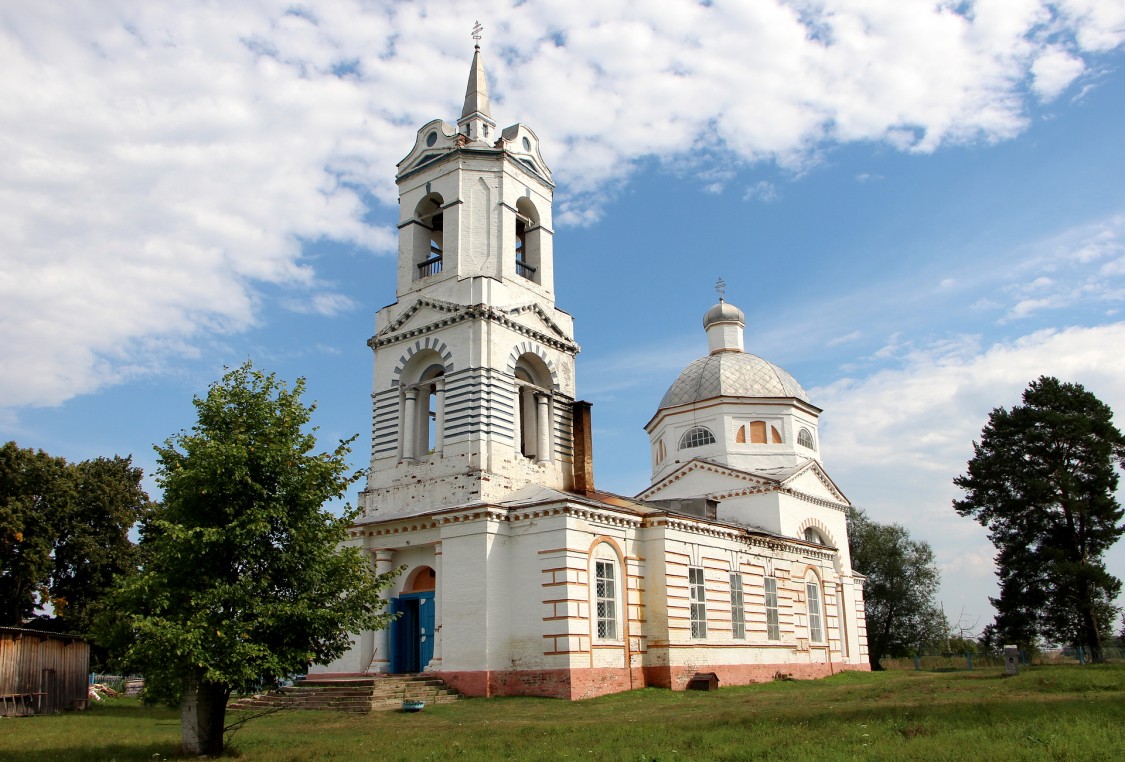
[425, 628]
[404, 636]
[412, 632]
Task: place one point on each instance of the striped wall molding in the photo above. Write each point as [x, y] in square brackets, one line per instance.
[430, 343]
[531, 347]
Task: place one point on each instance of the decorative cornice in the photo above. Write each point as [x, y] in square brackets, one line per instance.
[764, 484]
[459, 313]
[814, 499]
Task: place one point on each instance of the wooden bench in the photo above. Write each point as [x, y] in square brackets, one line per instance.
[17, 704]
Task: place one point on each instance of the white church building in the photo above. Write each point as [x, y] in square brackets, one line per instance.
[520, 576]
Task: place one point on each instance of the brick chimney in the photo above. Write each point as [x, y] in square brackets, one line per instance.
[583, 448]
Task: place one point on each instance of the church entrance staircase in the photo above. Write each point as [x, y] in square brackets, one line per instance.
[353, 694]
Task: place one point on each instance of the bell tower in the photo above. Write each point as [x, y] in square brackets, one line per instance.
[474, 364]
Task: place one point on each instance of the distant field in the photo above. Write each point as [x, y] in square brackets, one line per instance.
[1050, 712]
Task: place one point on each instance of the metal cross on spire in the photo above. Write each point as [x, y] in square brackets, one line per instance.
[720, 288]
[477, 29]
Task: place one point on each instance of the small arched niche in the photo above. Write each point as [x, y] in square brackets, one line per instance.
[421, 580]
[528, 241]
[429, 236]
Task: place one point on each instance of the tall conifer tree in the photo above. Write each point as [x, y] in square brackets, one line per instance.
[1042, 481]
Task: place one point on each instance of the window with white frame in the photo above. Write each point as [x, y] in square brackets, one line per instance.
[605, 583]
[804, 438]
[696, 437]
[773, 630]
[737, 609]
[698, 595]
[816, 629]
[812, 535]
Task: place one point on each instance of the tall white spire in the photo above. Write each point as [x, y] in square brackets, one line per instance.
[476, 117]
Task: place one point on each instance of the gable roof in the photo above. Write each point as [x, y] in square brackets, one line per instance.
[763, 481]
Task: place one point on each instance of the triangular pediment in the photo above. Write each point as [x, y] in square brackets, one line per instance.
[812, 481]
[698, 478]
[422, 312]
[536, 318]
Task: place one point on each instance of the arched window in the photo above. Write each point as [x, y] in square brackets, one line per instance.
[430, 387]
[812, 594]
[429, 236]
[804, 438]
[773, 626]
[811, 535]
[606, 598]
[696, 437]
[528, 238]
[422, 406]
[534, 407]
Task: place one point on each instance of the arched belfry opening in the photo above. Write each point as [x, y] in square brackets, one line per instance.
[429, 236]
[422, 407]
[533, 408]
[528, 241]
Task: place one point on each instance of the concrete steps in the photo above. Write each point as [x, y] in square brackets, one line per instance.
[353, 694]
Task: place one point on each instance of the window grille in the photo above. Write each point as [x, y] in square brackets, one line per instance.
[804, 438]
[696, 437]
[816, 631]
[606, 589]
[698, 595]
[737, 609]
[773, 630]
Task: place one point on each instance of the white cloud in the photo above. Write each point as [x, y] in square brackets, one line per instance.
[761, 191]
[1053, 71]
[845, 339]
[163, 161]
[897, 438]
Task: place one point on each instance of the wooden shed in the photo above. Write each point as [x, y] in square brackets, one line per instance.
[42, 671]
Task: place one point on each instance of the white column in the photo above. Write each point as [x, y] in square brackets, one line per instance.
[409, 412]
[439, 416]
[384, 559]
[435, 662]
[543, 429]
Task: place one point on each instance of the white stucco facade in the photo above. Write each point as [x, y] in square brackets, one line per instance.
[520, 577]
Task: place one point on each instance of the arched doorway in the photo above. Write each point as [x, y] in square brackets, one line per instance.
[412, 631]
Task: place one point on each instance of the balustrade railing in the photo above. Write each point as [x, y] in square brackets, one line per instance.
[431, 266]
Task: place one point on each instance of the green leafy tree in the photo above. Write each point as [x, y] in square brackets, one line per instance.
[901, 579]
[34, 490]
[64, 535]
[244, 581]
[92, 546]
[1042, 481]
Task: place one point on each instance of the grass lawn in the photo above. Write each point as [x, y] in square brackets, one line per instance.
[1051, 712]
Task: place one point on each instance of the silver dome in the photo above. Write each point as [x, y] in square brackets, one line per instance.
[723, 312]
[731, 374]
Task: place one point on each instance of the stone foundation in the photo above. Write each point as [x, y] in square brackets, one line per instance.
[579, 684]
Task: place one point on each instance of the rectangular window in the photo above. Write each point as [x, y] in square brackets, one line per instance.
[698, 594]
[816, 632]
[606, 589]
[737, 611]
[773, 631]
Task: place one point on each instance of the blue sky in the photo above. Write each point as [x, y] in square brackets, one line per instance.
[919, 206]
